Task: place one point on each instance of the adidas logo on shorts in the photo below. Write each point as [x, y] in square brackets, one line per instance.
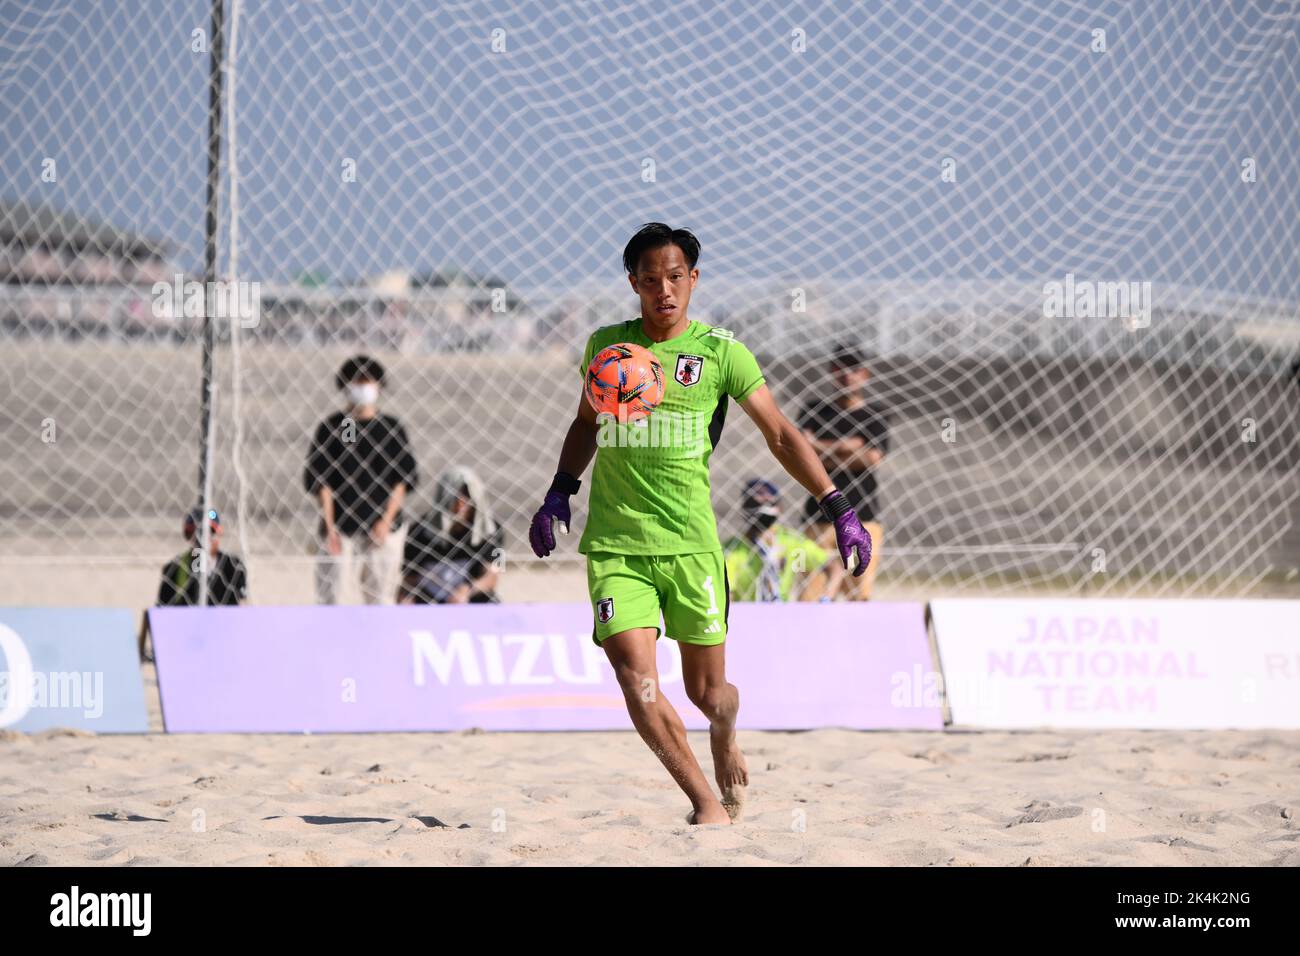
[714, 628]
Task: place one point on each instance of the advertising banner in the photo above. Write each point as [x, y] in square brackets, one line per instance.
[1120, 663]
[523, 667]
[70, 667]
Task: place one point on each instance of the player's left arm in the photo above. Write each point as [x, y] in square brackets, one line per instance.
[743, 381]
[787, 443]
[797, 456]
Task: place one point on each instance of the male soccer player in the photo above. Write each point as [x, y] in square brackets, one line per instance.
[651, 539]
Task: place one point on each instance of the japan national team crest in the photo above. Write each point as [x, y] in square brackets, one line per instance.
[605, 610]
[688, 369]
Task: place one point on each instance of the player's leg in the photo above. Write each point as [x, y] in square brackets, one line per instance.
[632, 655]
[626, 605]
[696, 606]
[704, 672]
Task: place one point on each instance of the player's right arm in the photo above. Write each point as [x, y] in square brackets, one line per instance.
[580, 441]
[575, 455]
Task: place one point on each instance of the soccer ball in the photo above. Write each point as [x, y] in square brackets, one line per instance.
[625, 381]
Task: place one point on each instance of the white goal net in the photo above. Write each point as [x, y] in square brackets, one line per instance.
[1065, 236]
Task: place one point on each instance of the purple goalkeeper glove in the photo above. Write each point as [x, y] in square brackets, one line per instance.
[554, 512]
[849, 533]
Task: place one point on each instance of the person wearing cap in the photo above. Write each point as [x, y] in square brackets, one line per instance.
[359, 470]
[851, 435]
[179, 587]
[227, 577]
[769, 562]
[454, 554]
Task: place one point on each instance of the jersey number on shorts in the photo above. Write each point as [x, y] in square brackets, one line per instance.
[713, 598]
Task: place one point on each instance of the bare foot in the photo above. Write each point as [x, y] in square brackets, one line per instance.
[714, 814]
[730, 770]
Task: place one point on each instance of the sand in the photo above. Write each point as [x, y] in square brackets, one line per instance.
[826, 797]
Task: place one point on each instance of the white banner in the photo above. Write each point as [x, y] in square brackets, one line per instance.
[1115, 663]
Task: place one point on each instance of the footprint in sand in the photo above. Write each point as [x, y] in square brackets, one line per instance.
[1041, 812]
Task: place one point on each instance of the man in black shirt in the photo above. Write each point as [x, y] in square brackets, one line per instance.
[851, 435]
[453, 554]
[360, 468]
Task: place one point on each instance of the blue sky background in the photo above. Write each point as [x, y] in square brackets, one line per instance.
[526, 165]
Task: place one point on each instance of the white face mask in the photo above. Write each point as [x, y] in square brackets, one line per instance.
[362, 395]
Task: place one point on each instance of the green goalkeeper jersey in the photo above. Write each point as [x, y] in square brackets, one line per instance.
[650, 483]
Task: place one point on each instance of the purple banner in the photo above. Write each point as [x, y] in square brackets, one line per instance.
[523, 667]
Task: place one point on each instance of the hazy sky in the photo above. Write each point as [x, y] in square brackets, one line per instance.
[528, 164]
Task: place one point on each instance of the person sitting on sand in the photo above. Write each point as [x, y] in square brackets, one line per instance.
[453, 554]
[227, 576]
[769, 562]
[179, 586]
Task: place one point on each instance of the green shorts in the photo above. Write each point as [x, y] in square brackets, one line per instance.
[631, 590]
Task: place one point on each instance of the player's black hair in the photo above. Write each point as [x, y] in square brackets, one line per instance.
[359, 366]
[655, 235]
